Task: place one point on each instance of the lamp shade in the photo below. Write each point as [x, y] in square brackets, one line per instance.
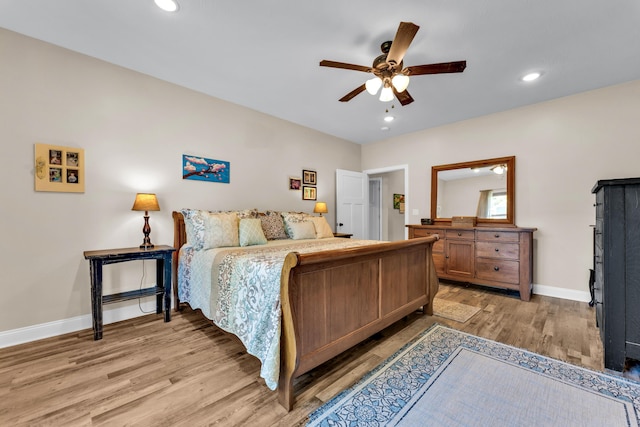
[145, 202]
[321, 207]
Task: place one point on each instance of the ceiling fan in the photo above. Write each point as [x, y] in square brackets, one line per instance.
[388, 68]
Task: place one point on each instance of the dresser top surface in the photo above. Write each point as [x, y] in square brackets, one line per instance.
[479, 228]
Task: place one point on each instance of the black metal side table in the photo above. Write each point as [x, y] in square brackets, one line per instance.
[162, 254]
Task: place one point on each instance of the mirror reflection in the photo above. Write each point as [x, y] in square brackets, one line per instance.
[479, 192]
[483, 189]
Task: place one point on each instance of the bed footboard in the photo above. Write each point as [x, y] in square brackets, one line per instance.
[332, 300]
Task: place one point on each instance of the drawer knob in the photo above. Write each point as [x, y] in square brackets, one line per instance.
[497, 250]
[496, 236]
[459, 234]
[496, 268]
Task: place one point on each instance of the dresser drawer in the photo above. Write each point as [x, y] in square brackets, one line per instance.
[498, 270]
[426, 232]
[497, 250]
[499, 236]
[460, 234]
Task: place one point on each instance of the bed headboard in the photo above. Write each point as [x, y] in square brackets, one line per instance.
[179, 232]
[179, 239]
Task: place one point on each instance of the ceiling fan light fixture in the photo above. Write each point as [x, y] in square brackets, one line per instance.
[167, 5]
[373, 85]
[388, 118]
[400, 82]
[386, 94]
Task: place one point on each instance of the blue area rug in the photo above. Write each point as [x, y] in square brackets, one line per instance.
[448, 378]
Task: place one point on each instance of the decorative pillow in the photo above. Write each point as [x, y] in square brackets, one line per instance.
[302, 230]
[323, 230]
[251, 232]
[221, 230]
[273, 225]
[195, 222]
[247, 213]
[292, 218]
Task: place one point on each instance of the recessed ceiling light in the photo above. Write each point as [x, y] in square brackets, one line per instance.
[167, 5]
[531, 77]
[389, 119]
[384, 128]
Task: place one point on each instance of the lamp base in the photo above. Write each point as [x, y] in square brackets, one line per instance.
[146, 230]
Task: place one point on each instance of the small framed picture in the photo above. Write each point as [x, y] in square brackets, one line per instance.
[309, 193]
[309, 177]
[397, 200]
[72, 159]
[295, 183]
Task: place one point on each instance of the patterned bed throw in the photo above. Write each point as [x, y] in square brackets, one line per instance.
[239, 289]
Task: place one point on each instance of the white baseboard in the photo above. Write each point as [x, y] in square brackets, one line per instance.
[74, 324]
[571, 294]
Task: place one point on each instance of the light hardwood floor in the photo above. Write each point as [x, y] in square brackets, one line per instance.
[146, 372]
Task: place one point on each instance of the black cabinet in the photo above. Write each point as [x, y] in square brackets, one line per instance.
[617, 269]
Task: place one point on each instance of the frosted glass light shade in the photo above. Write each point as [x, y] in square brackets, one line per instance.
[400, 82]
[386, 94]
[373, 85]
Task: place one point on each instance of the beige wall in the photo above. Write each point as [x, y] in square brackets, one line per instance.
[134, 130]
[562, 148]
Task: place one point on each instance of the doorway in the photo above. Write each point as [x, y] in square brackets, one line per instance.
[384, 220]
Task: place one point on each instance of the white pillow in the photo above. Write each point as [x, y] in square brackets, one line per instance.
[323, 230]
[292, 218]
[221, 230]
[302, 230]
[251, 232]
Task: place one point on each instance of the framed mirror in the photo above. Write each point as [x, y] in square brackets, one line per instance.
[482, 188]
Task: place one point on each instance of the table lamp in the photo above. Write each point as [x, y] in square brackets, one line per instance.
[321, 207]
[146, 202]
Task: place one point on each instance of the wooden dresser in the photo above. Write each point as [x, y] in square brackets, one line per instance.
[617, 269]
[497, 257]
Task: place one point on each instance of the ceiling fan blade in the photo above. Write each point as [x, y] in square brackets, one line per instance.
[406, 32]
[403, 96]
[443, 67]
[334, 64]
[353, 93]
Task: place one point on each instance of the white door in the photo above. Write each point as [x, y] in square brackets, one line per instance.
[375, 208]
[352, 203]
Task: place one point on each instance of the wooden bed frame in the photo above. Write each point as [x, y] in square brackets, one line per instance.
[332, 300]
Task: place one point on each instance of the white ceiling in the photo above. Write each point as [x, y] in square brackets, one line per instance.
[264, 54]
